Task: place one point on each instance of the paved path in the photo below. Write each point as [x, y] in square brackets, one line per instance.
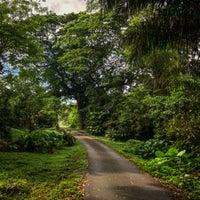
[113, 177]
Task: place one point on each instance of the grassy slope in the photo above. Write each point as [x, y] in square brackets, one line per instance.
[42, 176]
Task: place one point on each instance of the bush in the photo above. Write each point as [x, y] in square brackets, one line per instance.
[3, 145]
[151, 146]
[47, 119]
[112, 134]
[177, 115]
[68, 138]
[178, 168]
[134, 146]
[4, 132]
[95, 123]
[128, 117]
[42, 141]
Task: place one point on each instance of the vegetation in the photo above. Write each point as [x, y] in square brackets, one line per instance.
[131, 69]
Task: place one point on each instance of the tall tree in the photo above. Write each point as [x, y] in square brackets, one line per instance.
[85, 59]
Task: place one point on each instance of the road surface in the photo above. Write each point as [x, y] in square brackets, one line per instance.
[113, 177]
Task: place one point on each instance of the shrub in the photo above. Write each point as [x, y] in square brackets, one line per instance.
[112, 133]
[47, 119]
[4, 132]
[68, 137]
[133, 146]
[42, 141]
[95, 123]
[128, 118]
[3, 145]
[178, 168]
[151, 146]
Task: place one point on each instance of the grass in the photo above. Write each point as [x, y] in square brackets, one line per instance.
[180, 175]
[34, 176]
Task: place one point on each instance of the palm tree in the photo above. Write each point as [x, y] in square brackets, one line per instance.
[174, 22]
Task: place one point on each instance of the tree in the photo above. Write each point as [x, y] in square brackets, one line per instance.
[19, 23]
[25, 102]
[51, 70]
[82, 59]
[5, 106]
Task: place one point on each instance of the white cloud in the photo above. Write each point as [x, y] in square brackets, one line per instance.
[65, 6]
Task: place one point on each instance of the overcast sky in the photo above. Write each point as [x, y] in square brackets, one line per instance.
[65, 6]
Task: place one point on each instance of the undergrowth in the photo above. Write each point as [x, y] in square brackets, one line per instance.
[46, 140]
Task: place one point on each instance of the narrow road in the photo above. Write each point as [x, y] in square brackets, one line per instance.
[113, 177]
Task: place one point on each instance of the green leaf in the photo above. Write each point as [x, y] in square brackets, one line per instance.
[181, 153]
[160, 154]
[172, 152]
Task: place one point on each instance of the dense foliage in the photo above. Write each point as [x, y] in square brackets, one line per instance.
[157, 22]
[26, 102]
[161, 103]
[18, 29]
[39, 140]
[43, 141]
[128, 80]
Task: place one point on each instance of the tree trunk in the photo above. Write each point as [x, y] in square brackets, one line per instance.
[82, 103]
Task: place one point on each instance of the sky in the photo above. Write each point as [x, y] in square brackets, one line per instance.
[65, 6]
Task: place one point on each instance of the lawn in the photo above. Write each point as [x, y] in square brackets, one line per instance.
[36, 176]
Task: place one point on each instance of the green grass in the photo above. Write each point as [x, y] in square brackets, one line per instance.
[34, 176]
[183, 173]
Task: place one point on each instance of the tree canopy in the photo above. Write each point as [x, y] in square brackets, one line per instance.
[19, 23]
[158, 23]
[82, 58]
